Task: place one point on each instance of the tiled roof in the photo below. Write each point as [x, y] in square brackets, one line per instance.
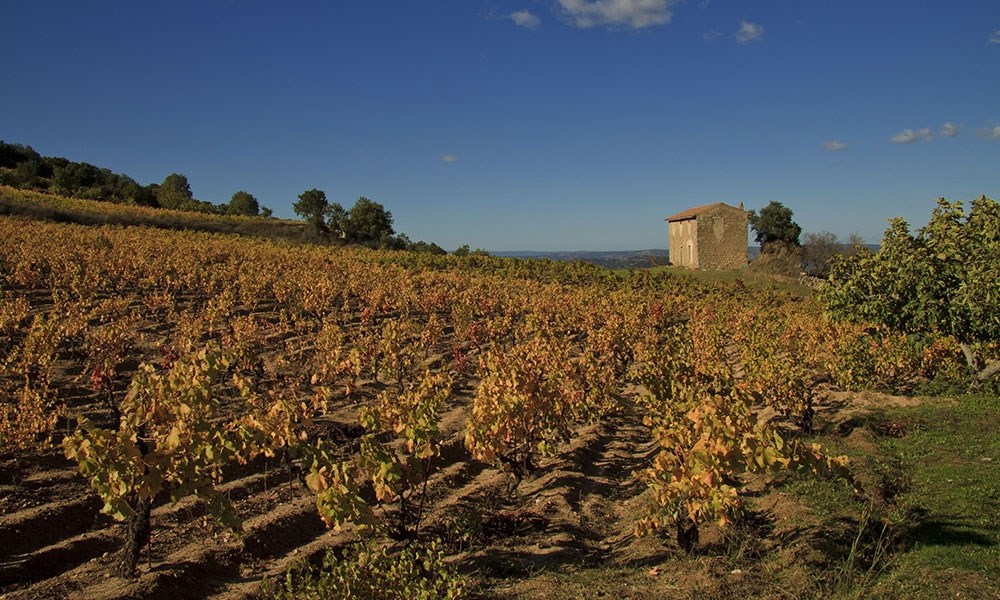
[697, 210]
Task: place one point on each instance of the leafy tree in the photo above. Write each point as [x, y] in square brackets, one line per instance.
[464, 250]
[139, 194]
[774, 227]
[266, 212]
[243, 203]
[175, 192]
[21, 166]
[312, 206]
[71, 178]
[944, 280]
[395, 242]
[13, 154]
[428, 248]
[31, 173]
[368, 222]
[336, 219]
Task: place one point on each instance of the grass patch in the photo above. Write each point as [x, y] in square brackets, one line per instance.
[933, 472]
[953, 539]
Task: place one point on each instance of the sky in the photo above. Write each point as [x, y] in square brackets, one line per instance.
[524, 125]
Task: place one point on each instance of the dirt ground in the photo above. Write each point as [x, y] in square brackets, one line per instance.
[565, 532]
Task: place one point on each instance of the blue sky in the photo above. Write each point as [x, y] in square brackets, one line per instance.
[535, 124]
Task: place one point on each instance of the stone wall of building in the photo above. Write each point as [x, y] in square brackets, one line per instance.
[683, 250]
[721, 238]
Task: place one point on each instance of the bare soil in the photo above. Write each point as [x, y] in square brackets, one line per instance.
[565, 532]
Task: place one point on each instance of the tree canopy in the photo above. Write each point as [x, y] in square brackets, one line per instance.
[22, 167]
[243, 203]
[943, 280]
[337, 220]
[312, 207]
[368, 222]
[175, 192]
[774, 227]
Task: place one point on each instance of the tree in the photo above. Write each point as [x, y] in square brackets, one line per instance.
[125, 189]
[312, 206]
[71, 178]
[368, 222]
[175, 192]
[427, 248]
[855, 242]
[243, 203]
[336, 219]
[945, 280]
[395, 242]
[13, 154]
[817, 250]
[774, 228]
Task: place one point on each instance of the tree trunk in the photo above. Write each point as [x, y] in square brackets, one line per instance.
[970, 357]
[136, 538]
[991, 369]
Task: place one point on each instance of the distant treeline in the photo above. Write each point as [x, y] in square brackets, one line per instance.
[21, 167]
[24, 168]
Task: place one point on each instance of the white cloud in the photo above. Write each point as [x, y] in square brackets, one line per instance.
[834, 146]
[749, 32]
[995, 37]
[523, 18]
[711, 36]
[449, 158]
[618, 13]
[993, 133]
[908, 136]
[949, 130]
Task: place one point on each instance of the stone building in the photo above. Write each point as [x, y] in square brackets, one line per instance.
[713, 236]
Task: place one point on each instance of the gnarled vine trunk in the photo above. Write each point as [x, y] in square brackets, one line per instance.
[136, 538]
[137, 526]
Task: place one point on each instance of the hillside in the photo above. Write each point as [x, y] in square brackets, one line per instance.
[269, 367]
[39, 205]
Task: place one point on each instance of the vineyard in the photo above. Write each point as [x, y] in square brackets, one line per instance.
[200, 415]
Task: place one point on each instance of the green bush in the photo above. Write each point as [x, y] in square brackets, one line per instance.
[371, 571]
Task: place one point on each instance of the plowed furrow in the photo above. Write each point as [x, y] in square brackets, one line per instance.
[56, 558]
[43, 525]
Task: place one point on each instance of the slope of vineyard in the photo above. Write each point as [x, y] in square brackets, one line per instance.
[39, 205]
[562, 386]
